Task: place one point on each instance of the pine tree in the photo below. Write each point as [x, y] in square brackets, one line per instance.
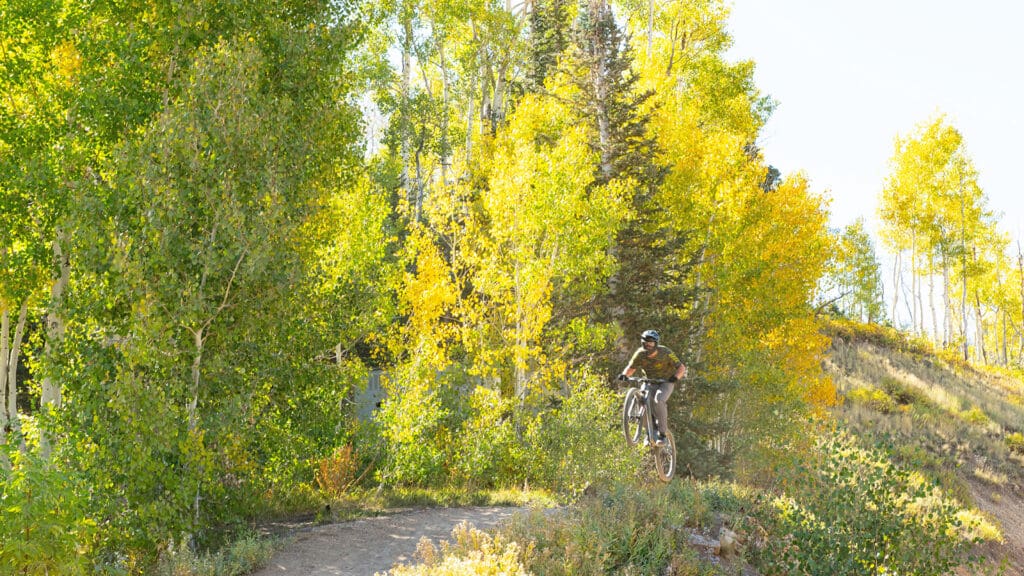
[549, 32]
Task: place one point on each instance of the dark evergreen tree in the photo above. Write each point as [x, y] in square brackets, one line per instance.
[550, 32]
[611, 99]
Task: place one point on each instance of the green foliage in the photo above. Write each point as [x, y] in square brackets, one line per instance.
[873, 398]
[46, 523]
[1015, 441]
[629, 529]
[419, 419]
[579, 443]
[853, 279]
[242, 556]
[850, 511]
[486, 448]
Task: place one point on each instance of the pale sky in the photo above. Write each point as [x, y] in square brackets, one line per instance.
[849, 76]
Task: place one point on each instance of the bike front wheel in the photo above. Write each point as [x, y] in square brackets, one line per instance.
[632, 417]
[665, 458]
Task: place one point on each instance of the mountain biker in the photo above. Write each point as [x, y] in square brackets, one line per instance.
[657, 361]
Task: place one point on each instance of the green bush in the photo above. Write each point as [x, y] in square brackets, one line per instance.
[901, 392]
[485, 448]
[580, 442]
[418, 421]
[872, 398]
[851, 511]
[243, 556]
[1015, 441]
[45, 526]
[976, 416]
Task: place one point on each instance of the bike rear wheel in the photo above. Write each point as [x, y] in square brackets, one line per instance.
[665, 458]
[632, 417]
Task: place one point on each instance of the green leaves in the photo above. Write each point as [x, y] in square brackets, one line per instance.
[853, 512]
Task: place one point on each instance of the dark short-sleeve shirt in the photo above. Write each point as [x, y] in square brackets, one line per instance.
[661, 366]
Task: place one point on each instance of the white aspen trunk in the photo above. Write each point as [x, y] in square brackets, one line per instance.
[445, 157]
[51, 395]
[650, 29]
[406, 147]
[963, 296]
[193, 405]
[914, 291]
[980, 321]
[10, 350]
[1005, 358]
[947, 321]
[931, 302]
[498, 102]
[469, 122]
[1020, 271]
[5, 356]
[5, 419]
[896, 284]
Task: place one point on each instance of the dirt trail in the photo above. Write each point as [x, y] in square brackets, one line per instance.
[370, 545]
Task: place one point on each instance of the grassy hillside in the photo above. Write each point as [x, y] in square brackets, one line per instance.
[956, 424]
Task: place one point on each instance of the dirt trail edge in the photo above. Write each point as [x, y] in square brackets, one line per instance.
[370, 545]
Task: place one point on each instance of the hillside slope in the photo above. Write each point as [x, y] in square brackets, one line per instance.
[953, 423]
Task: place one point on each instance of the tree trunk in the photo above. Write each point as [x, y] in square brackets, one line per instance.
[981, 327]
[1006, 360]
[10, 350]
[896, 284]
[406, 146]
[50, 396]
[947, 306]
[963, 246]
[915, 297]
[931, 301]
[1020, 271]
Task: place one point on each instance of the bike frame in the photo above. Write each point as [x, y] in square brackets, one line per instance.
[637, 414]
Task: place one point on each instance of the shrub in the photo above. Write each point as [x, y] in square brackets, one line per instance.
[473, 553]
[902, 393]
[44, 524]
[872, 398]
[484, 449]
[1016, 442]
[242, 556]
[337, 472]
[417, 420]
[851, 511]
[580, 443]
[975, 416]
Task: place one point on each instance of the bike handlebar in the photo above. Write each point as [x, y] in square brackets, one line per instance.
[641, 380]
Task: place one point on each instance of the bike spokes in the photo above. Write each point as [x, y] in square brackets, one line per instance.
[665, 458]
[632, 417]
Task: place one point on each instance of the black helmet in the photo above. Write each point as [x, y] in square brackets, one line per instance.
[650, 336]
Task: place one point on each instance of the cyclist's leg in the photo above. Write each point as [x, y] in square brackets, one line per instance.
[661, 394]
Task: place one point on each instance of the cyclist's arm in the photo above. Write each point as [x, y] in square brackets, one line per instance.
[680, 371]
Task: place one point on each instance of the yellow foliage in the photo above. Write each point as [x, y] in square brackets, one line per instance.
[474, 553]
[67, 61]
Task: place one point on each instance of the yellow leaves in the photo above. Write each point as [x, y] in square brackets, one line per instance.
[429, 294]
[67, 61]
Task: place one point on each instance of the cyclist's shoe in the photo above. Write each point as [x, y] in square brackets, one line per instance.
[660, 439]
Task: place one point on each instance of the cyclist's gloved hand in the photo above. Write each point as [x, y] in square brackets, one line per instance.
[622, 377]
[673, 378]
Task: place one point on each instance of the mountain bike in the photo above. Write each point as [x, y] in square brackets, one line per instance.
[639, 422]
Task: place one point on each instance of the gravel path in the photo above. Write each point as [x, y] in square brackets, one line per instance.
[370, 545]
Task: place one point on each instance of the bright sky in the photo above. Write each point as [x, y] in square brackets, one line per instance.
[849, 76]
